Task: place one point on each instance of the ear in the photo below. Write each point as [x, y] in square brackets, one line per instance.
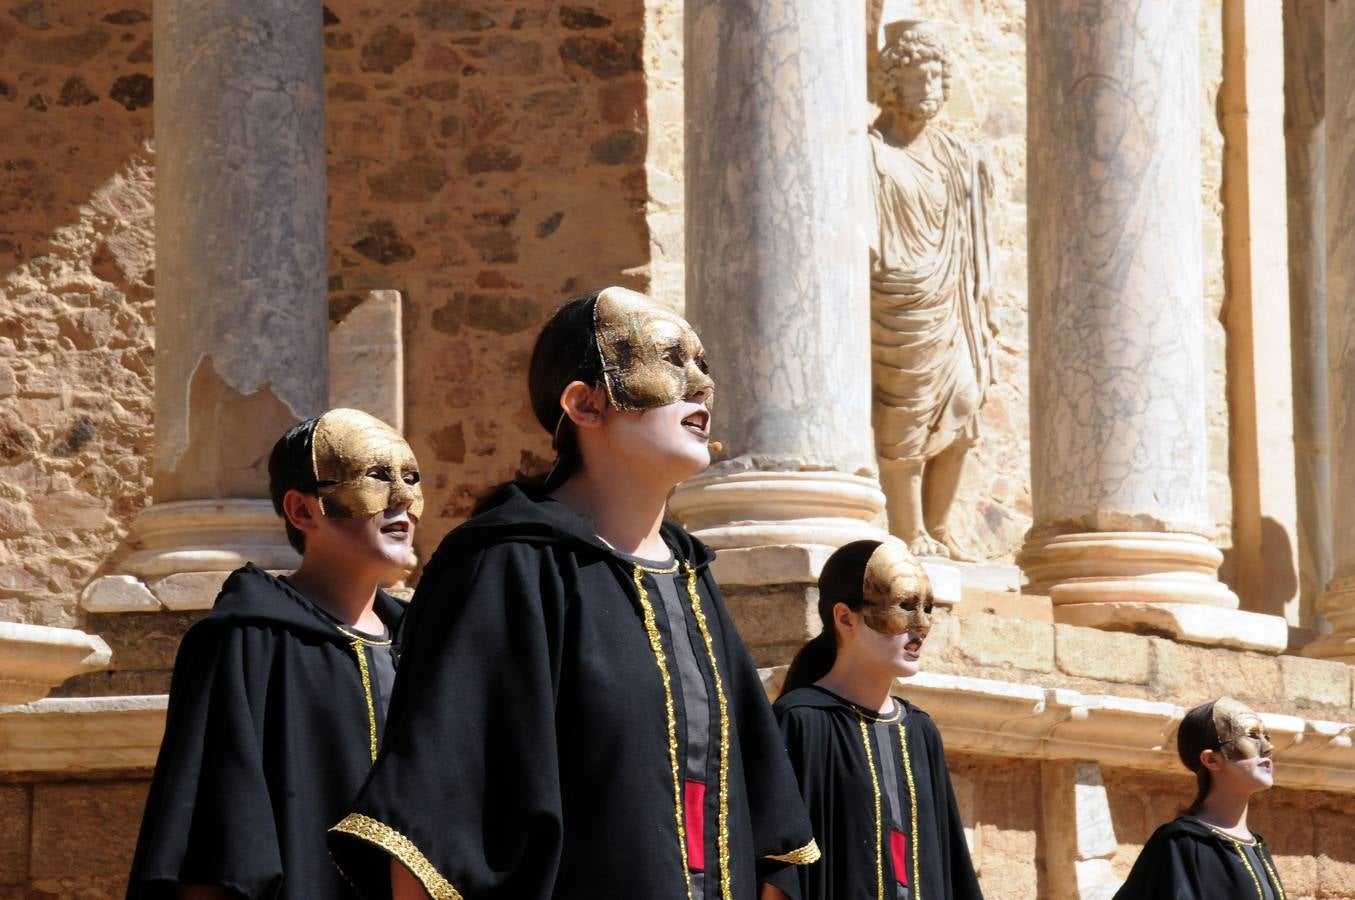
[302, 510]
[584, 404]
[1211, 760]
[844, 619]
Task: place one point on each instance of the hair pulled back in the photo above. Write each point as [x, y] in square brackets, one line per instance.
[566, 351]
[291, 467]
[841, 581]
[1195, 735]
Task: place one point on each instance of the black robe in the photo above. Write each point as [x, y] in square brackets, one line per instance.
[824, 735]
[1185, 859]
[539, 735]
[273, 723]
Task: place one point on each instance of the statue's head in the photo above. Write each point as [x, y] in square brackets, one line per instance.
[912, 74]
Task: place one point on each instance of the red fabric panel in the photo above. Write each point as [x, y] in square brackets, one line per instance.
[898, 851]
[694, 801]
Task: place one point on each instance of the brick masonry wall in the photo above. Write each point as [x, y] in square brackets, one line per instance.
[487, 160]
[76, 294]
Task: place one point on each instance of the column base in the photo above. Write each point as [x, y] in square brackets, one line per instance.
[1337, 605]
[759, 509]
[35, 658]
[1140, 567]
[216, 535]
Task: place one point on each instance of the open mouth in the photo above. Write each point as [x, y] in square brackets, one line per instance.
[698, 423]
[913, 647]
[398, 529]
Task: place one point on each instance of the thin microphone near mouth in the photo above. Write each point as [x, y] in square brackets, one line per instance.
[716, 447]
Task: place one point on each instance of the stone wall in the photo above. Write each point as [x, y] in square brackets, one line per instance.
[487, 160]
[76, 294]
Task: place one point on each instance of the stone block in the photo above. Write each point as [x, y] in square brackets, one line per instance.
[9, 384]
[142, 640]
[1197, 623]
[1335, 863]
[774, 620]
[1309, 682]
[777, 564]
[14, 819]
[188, 590]
[118, 593]
[366, 359]
[1103, 655]
[997, 641]
[85, 829]
[1188, 675]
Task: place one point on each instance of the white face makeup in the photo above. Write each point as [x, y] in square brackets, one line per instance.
[650, 356]
[1242, 734]
[363, 467]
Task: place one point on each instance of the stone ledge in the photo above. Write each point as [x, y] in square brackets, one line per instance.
[82, 734]
[1194, 623]
[780, 564]
[1001, 718]
[35, 658]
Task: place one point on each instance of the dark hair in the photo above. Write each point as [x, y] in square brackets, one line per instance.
[1195, 735]
[291, 467]
[566, 351]
[841, 581]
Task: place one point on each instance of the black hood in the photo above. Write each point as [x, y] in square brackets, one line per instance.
[517, 513]
[254, 597]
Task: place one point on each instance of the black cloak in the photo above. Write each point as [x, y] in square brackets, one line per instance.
[1185, 859]
[539, 731]
[843, 789]
[273, 722]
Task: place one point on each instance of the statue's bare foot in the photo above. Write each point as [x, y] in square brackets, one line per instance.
[923, 544]
[954, 550]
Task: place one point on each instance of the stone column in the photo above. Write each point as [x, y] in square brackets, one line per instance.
[1337, 603]
[1303, 78]
[1118, 443]
[241, 311]
[777, 269]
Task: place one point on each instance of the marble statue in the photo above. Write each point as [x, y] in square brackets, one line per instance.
[930, 289]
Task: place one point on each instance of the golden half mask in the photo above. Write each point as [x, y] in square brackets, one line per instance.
[363, 466]
[897, 590]
[650, 357]
[1242, 734]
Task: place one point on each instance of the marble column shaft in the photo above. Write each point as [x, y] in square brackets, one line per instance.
[1118, 442]
[777, 265]
[241, 256]
[1337, 603]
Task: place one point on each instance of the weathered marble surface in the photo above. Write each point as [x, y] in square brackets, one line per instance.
[1304, 152]
[1117, 396]
[241, 313]
[1338, 601]
[776, 275]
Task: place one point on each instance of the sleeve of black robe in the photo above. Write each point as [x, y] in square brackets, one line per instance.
[209, 819]
[780, 824]
[466, 790]
[1168, 868]
[961, 881]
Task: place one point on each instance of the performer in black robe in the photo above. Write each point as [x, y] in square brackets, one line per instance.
[571, 720]
[1209, 853]
[1186, 859]
[874, 776]
[277, 704]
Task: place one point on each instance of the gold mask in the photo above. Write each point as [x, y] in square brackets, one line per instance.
[363, 466]
[1242, 734]
[650, 356]
[897, 590]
